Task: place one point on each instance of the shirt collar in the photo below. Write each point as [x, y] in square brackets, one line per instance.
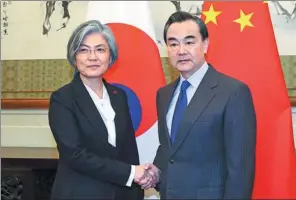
[105, 95]
[197, 76]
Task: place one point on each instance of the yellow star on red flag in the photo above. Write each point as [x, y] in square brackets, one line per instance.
[211, 15]
[244, 20]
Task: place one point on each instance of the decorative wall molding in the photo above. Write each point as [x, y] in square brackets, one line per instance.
[44, 103]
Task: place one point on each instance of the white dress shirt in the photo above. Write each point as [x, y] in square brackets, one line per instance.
[194, 81]
[108, 115]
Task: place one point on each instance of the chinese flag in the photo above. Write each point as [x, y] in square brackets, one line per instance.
[242, 45]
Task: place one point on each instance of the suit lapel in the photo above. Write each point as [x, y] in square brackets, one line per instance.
[116, 105]
[89, 109]
[202, 97]
[166, 101]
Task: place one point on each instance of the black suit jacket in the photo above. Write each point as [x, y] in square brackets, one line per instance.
[213, 156]
[89, 167]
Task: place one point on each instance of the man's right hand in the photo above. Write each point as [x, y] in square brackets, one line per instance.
[147, 176]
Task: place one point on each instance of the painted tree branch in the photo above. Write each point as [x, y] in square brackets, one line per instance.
[177, 4]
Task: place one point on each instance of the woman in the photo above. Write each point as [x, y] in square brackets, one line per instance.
[91, 123]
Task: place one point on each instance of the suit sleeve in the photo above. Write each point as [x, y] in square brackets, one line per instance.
[240, 142]
[66, 133]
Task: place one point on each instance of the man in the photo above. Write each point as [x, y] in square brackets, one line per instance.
[206, 122]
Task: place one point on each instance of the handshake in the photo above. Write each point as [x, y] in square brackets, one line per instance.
[147, 176]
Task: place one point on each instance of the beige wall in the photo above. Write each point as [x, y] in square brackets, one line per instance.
[25, 128]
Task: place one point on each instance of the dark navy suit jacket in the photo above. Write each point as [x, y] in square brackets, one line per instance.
[213, 156]
[89, 167]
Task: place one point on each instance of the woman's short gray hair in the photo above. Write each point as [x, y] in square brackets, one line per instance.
[84, 29]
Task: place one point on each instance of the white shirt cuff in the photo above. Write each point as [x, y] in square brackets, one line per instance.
[131, 177]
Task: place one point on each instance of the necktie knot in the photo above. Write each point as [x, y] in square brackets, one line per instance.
[185, 84]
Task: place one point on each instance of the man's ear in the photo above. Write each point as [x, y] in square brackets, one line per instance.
[206, 45]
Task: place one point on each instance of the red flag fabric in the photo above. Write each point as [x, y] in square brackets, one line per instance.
[242, 44]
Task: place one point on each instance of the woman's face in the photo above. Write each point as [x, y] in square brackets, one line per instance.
[93, 56]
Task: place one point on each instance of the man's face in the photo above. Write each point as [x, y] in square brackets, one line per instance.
[185, 46]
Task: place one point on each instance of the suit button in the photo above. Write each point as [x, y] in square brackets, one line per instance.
[172, 161]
